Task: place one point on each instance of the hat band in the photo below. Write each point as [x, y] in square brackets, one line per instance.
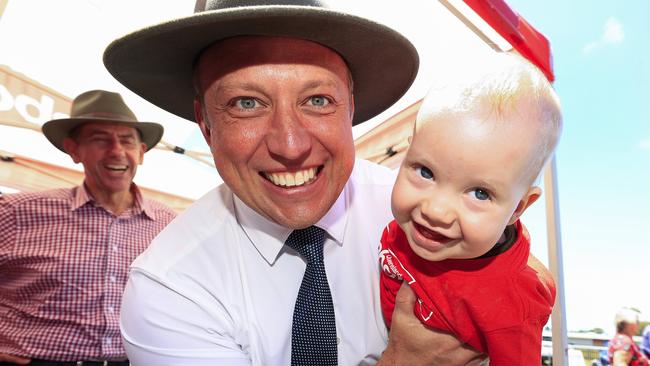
[106, 115]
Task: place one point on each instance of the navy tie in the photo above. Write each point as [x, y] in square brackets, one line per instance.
[313, 335]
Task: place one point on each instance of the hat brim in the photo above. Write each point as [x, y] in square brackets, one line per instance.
[58, 129]
[157, 62]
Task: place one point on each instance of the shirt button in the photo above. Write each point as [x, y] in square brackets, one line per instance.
[115, 248]
[338, 340]
[107, 340]
[111, 310]
[112, 278]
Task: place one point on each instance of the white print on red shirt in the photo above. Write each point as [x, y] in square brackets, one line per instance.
[393, 268]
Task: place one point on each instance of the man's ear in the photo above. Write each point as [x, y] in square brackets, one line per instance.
[528, 199]
[203, 124]
[143, 149]
[72, 148]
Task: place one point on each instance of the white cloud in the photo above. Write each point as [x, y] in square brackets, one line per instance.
[645, 144]
[612, 34]
[589, 47]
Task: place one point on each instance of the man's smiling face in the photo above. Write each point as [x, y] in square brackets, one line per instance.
[277, 114]
[110, 154]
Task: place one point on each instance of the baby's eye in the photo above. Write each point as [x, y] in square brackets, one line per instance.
[481, 194]
[425, 172]
[318, 101]
[246, 103]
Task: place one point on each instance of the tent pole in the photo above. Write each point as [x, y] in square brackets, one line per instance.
[3, 5]
[556, 266]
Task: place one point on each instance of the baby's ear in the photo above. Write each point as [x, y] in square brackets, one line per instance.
[528, 199]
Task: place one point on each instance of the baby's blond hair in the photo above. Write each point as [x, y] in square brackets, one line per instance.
[507, 86]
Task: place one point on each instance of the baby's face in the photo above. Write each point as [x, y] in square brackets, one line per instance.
[463, 180]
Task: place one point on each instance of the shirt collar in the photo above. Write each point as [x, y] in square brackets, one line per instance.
[268, 237]
[141, 205]
[82, 196]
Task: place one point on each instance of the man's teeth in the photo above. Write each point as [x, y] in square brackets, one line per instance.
[293, 179]
[116, 167]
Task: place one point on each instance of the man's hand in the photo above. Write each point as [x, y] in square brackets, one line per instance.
[14, 359]
[412, 343]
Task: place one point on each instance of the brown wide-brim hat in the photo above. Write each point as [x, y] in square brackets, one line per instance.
[100, 106]
[157, 62]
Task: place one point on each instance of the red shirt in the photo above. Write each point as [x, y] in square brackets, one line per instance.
[63, 266]
[498, 305]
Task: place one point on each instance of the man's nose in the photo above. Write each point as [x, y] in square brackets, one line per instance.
[289, 137]
[115, 146]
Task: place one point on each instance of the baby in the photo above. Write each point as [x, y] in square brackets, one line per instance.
[478, 147]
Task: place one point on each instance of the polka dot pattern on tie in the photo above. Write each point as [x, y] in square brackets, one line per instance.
[313, 334]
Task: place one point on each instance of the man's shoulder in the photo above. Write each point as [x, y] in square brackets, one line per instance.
[199, 224]
[22, 198]
[368, 173]
[160, 209]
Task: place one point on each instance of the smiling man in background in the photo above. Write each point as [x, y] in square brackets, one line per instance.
[64, 253]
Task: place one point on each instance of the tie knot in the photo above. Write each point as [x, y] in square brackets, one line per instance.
[308, 242]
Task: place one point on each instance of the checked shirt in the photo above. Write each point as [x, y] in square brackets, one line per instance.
[63, 266]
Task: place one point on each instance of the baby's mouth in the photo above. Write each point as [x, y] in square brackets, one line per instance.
[430, 234]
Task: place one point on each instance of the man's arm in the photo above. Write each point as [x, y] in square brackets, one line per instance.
[7, 234]
[14, 359]
[412, 343]
[161, 326]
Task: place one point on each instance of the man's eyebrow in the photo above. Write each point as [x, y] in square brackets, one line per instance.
[99, 132]
[95, 132]
[229, 86]
[314, 84]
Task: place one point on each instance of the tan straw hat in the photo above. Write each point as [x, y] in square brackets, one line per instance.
[157, 62]
[100, 106]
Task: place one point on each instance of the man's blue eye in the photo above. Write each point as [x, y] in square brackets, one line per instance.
[246, 103]
[481, 194]
[319, 101]
[425, 172]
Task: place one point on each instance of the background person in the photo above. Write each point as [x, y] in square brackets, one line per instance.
[479, 143]
[275, 90]
[64, 253]
[622, 350]
[645, 342]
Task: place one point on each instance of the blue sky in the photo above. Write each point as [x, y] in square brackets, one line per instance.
[602, 67]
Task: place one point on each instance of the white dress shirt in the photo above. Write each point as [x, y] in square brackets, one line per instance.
[218, 286]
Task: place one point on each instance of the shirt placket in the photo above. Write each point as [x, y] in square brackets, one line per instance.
[112, 289]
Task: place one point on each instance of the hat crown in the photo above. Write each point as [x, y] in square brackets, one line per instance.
[208, 5]
[101, 104]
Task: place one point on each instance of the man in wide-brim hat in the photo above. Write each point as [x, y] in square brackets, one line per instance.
[275, 87]
[65, 253]
[104, 135]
